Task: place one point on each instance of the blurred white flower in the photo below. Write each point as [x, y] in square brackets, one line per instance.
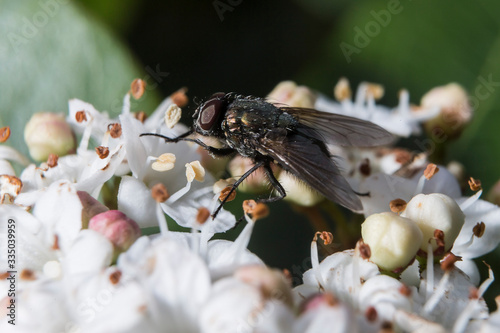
[403, 120]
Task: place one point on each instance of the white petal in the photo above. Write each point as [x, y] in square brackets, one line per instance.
[480, 211]
[135, 201]
[60, 211]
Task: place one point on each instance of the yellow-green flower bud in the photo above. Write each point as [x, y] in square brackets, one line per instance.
[393, 240]
[433, 212]
[48, 133]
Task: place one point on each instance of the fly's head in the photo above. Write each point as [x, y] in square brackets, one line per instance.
[209, 115]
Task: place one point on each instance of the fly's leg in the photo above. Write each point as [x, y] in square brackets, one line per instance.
[235, 186]
[275, 183]
[220, 152]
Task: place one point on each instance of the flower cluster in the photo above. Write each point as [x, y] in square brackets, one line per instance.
[83, 264]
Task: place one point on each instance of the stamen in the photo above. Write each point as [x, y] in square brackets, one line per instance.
[126, 104]
[81, 116]
[159, 193]
[141, 116]
[475, 184]
[115, 130]
[202, 215]
[365, 168]
[362, 251]
[179, 97]
[221, 184]
[240, 243]
[224, 194]
[469, 311]
[162, 221]
[371, 314]
[172, 115]
[164, 162]
[326, 237]
[102, 152]
[471, 200]
[449, 261]
[430, 171]
[4, 134]
[27, 274]
[115, 277]
[404, 103]
[342, 90]
[438, 294]
[55, 245]
[430, 272]
[420, 185]
[257, 210]
[10, 187]
[376, 91]
[315, 261]
[52, 160]
[397, 205]
[478, 229]
[137, 88]
[194, 170]
[179, 194]
[84, 142]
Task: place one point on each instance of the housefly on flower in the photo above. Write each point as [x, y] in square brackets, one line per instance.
[294, 138]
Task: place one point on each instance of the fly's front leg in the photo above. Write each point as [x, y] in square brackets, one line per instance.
[219, 152]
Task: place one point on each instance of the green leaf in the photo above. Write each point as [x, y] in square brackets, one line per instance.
[51, 52]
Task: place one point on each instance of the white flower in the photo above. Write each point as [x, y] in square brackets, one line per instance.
[134, 198]
[255, 299]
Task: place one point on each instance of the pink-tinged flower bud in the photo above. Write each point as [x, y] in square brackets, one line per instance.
[48, 133]
[90, 207]
[121, 231]
[288, 93]
[455, 110]
[433, 212]
[393, 240]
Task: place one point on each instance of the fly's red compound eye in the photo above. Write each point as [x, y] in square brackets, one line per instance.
[211, 111]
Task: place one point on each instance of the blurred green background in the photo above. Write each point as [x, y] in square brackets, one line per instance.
[54, 50]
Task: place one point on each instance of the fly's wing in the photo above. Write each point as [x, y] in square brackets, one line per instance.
[311, 163]
[338, 129]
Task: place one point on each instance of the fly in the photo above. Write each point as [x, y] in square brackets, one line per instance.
[294, 138]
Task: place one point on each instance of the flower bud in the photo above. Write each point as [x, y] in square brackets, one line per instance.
[287, 92]
[455, 110]
[121, 231]
[298, 192]
[432, 212]
[90, 207]
[393, 240]
[48, 133]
